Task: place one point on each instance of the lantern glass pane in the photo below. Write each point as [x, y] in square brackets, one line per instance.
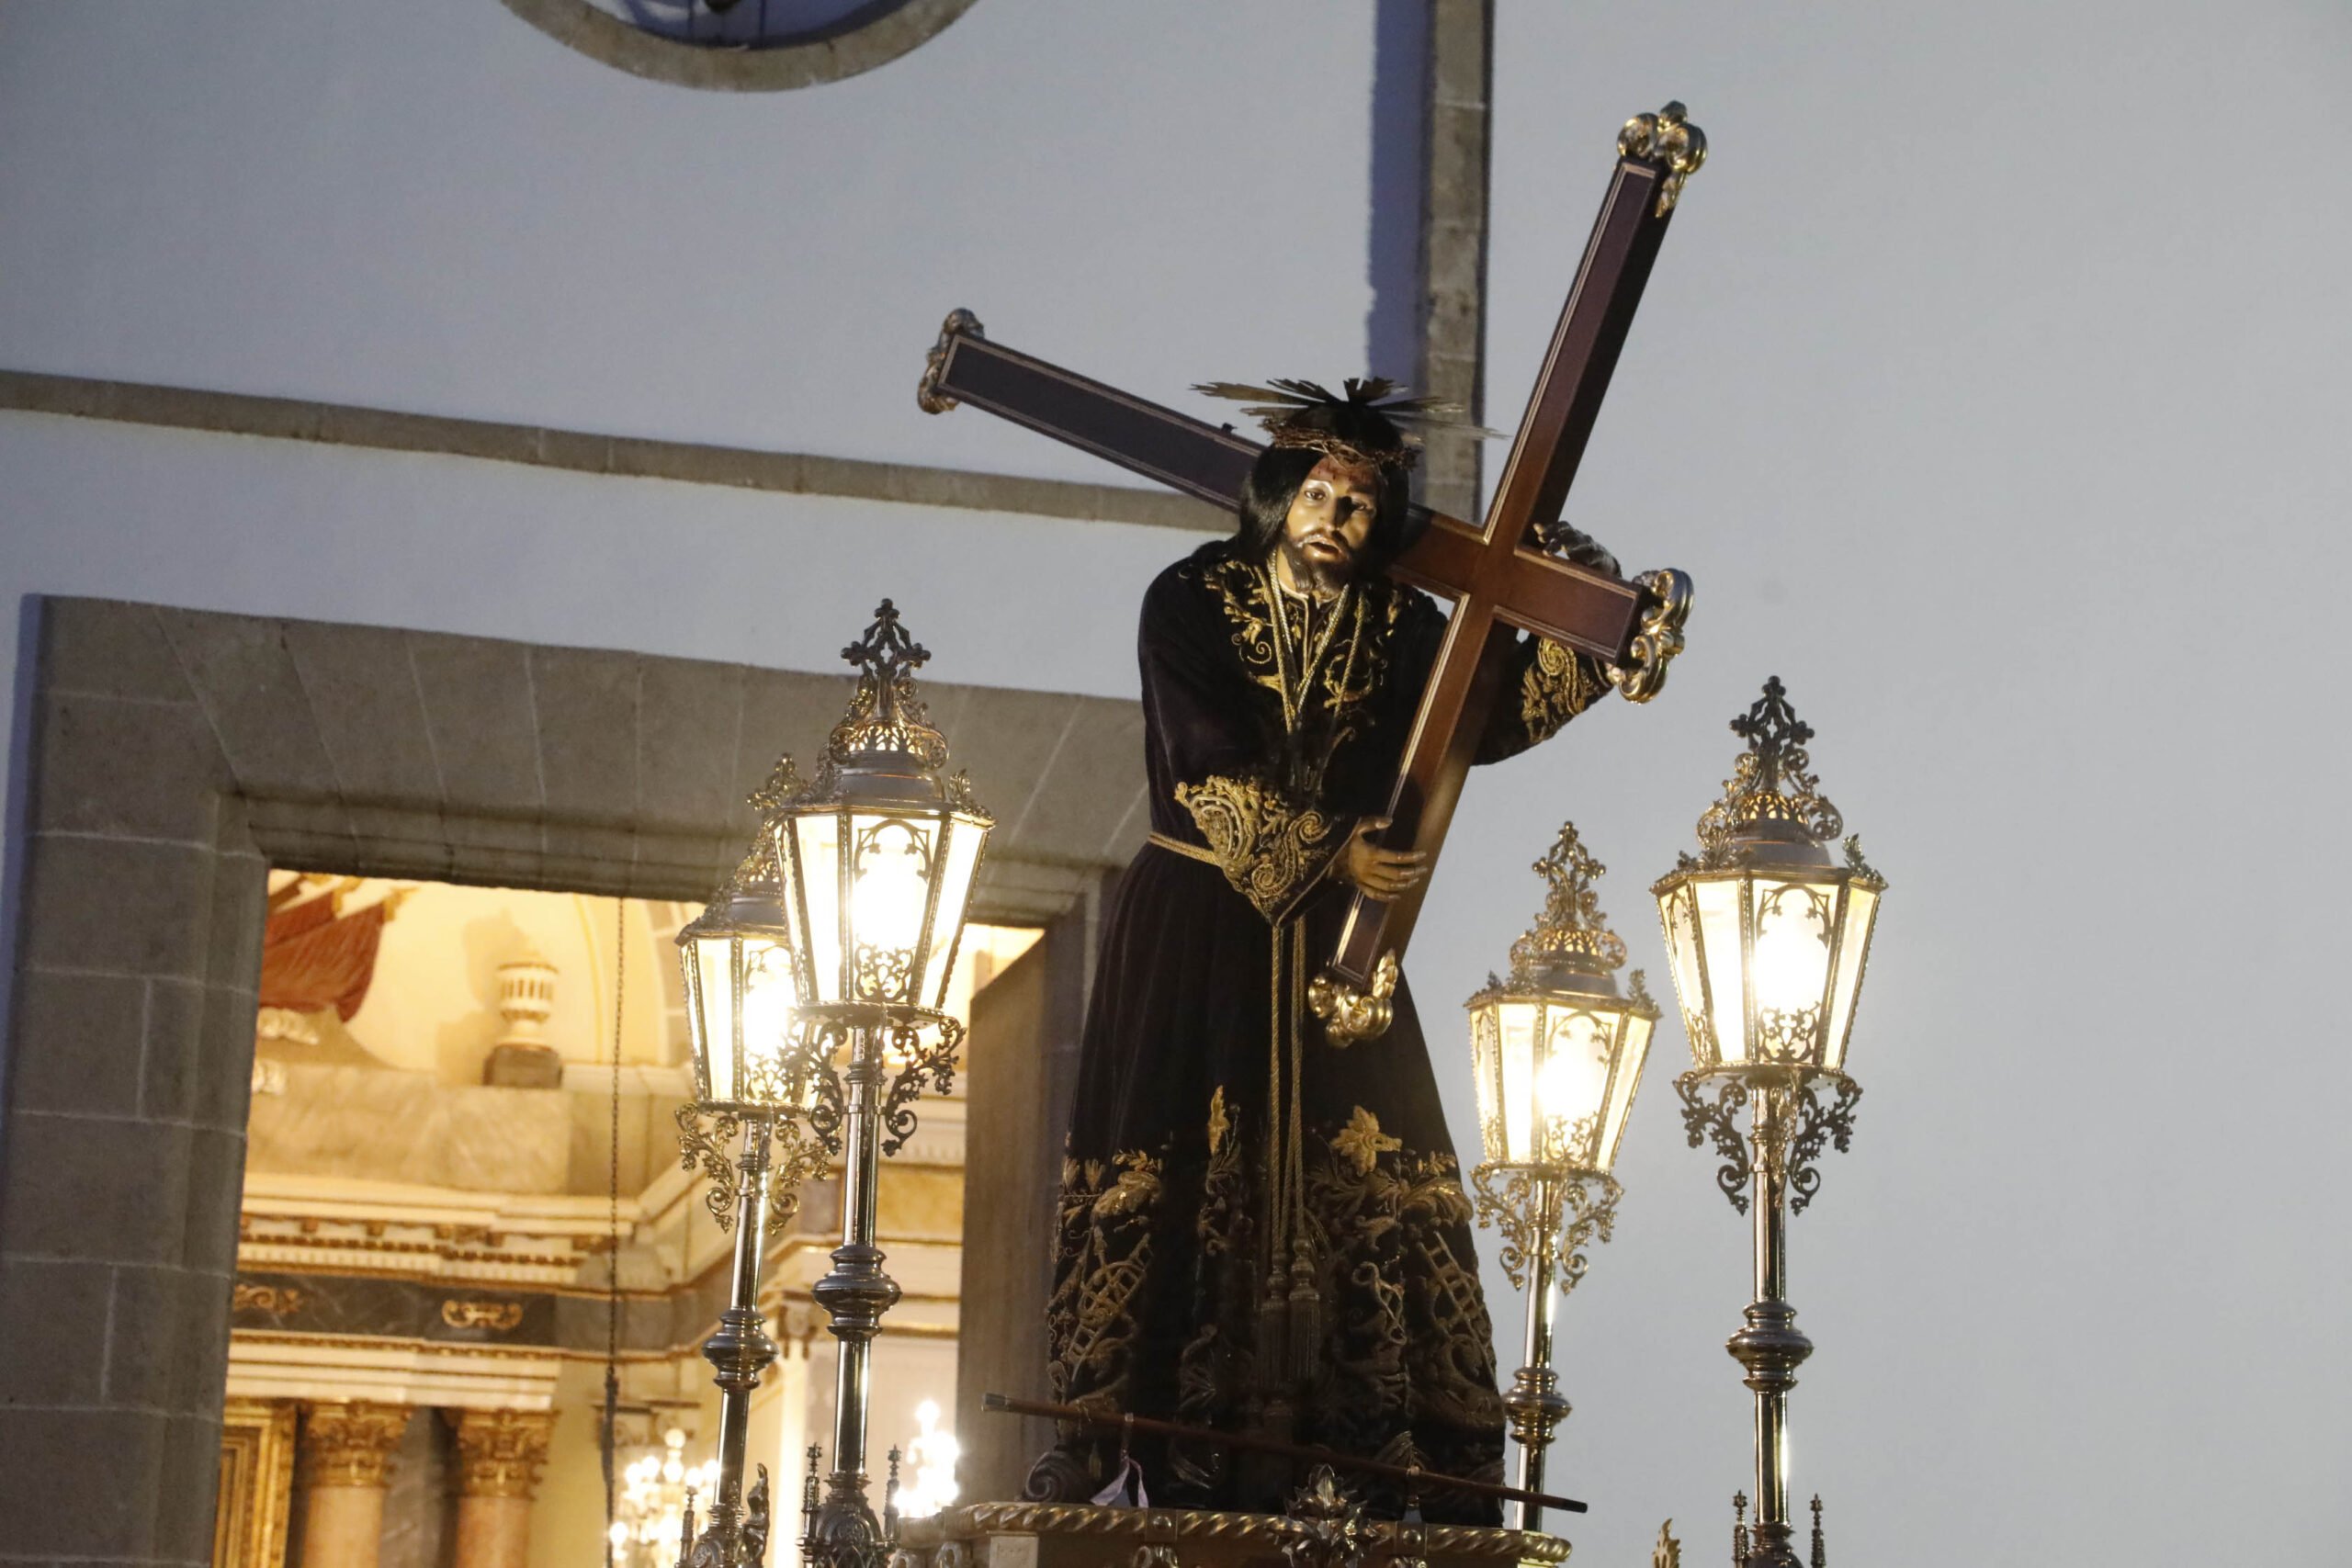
[710, 1011]
[1720, 952]
[1791, 971]
[1861, 914]
[780, 840]
[1627, 1078]
[1678, 909]
[769, 996]
[1515, 1021]
[1572, 1083]
[961, 860]
[890, 867]
[816, 880]
[1486, 1074]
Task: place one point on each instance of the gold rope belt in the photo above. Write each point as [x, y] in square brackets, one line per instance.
[1190, 851]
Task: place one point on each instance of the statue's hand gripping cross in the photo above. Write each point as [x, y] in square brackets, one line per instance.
[1498, 577]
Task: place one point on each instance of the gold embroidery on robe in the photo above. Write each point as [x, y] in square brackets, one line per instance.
[1410, 1370]
[1343, 681]
[1105, 1258]
[1362, 1141]
[1269, 850]
[1406, 1355]
[1213, 1364]
[1557, 686]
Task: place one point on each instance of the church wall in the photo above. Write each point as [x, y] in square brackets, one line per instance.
[447, 543]
[434, 208]
[1985, 386]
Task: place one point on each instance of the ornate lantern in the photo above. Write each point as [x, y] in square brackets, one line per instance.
[1770, 934]
[880, 852]
[740, 991]
[1556, 1053]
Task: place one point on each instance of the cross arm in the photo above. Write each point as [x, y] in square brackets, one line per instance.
[1588, 610]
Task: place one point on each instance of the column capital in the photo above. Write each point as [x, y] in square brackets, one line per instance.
[350, 1442]
[500, 1451]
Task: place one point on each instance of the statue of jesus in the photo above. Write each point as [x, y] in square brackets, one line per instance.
[1260, 1229]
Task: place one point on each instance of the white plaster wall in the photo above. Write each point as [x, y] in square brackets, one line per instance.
[430, 206]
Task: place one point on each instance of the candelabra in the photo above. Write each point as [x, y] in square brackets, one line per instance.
[1770, 934]
[816, 984]
[656, 1489]
[1557, 1054]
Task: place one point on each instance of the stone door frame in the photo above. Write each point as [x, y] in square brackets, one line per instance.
[167, 758]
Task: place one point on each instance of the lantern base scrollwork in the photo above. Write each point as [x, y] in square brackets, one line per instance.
[1561, 1212]
[1718, 1119]
[916, 1047]
[725, 1543]
[705, 1136]
[1793, 1125]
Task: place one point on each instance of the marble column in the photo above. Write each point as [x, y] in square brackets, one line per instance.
[499, 1456]
[346, 1459]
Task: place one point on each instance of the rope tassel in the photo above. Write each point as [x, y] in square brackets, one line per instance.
[1304, 1311]
[1274, 1347]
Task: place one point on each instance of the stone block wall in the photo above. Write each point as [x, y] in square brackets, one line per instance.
[172, 757]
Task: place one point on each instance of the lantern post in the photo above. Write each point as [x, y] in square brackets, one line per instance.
[1769, 933]
[745, 1129]
[816, 987]
[1557, 1055]
[878, 854]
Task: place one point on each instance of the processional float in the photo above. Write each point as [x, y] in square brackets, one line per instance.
[847, 913]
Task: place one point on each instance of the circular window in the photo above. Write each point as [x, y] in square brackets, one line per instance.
[753, 46]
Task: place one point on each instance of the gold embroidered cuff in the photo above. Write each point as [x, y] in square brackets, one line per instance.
[1269, 850]
[1558, 686]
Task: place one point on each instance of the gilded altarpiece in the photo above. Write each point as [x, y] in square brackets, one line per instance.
[256, 1483]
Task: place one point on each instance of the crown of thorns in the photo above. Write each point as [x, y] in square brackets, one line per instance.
[1278, 404]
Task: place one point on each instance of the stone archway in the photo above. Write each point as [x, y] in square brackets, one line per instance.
[171, 757]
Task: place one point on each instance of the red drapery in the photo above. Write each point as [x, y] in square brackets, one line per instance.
[313, 958]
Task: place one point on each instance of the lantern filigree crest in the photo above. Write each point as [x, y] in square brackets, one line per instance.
[1570, 929]
[1771, 781]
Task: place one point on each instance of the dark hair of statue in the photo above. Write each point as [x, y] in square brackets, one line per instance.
[1274, 480]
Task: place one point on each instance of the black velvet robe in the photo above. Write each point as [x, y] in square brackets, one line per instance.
[1260, 1231]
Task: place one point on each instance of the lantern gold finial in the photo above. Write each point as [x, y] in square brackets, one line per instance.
[885, 716]
[1570, 933]
[1772, 793]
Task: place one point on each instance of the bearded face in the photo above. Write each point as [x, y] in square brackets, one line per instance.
[1329, 519]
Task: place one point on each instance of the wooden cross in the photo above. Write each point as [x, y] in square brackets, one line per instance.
[1497, 577]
